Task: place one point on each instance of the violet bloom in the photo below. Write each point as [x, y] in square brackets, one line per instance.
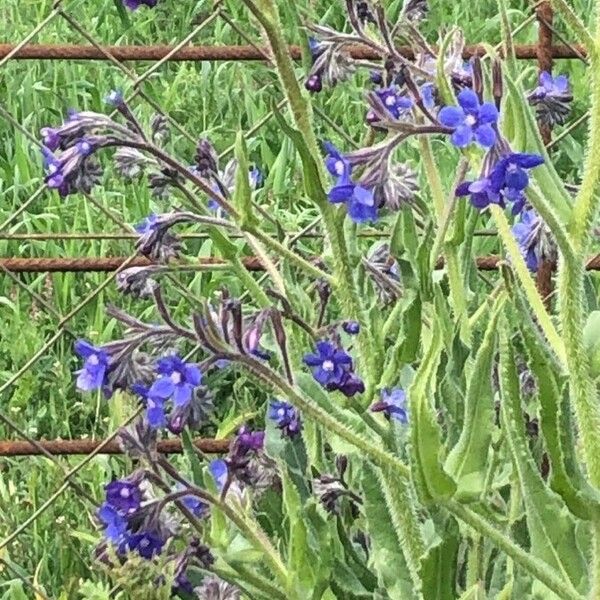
[285, 417]
[359, 200]
[95, 367]
[396, 104]
[135, 4]
[50, 138]
[115, 525]
[218, 470]
[329, 364]
[351, 384]
[482, 192]
[527, 235]
[146, 544]
[124, 496]
[551, 86]
[115, 98]
[392, 404]
[177, 381]
[351, 327]
[470, 120]
[249, 441]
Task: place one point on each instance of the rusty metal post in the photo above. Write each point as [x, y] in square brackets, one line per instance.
[545, 15]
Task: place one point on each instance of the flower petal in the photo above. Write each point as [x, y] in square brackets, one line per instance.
[516, 179]
[182, 395]
[527, 161]
[312, 360]
[488, 113]
[462, 137]
[363, 196]
[341, 192]
[451, 116]
[155, 414]
[462, 189]
[84, 349]
[468, 100]
[486, 135]
[162, 388]
[193, 375]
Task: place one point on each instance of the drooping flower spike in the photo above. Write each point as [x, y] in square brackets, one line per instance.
[527, 233]
[470, 120]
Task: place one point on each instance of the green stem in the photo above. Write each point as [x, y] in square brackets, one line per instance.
[292, 256]
[539, 569]
[455, 278]
[575, 23]
[524, 276]
[250, 284]
[345, 284]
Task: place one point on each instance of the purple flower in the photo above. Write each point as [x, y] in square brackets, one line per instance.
[218, 470]
[148, 225]
[93, 374]
[115, 98]
[359, 200]
[527, 235]
[146, 544]
[124, 496]
[482, 192]
[249, 441]
[395, 103]
[392, 404]
[115, 525]
[351, 384]
[50, 138]
[351, 327]
[329, 364]
[314, 83]
[135, 4]
[177, 381]
[550, 86]
[286, 418]
[193, 504]
[470, 120]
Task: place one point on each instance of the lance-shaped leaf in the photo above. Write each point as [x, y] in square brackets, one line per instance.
[431, 480]
[550, 525]
[467, 460]
[566, 477]
[242, 196]
[386, 549]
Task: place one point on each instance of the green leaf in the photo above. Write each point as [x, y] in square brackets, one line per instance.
[591, 341]
[431, 481]
[386, 553]
[467, 460]
[566, 477]
[550, 525]
[242, 195]
[191, 454]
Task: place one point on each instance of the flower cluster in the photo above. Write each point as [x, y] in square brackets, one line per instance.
[125, 521]
[359, 200]
[332, 367]
[552, 98]
[286, 418]
[505, 180]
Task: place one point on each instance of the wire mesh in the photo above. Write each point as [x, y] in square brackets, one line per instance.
[140, 86]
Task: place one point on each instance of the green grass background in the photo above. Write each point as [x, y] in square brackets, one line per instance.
[206, 99]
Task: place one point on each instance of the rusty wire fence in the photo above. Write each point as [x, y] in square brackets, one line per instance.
[551, 45]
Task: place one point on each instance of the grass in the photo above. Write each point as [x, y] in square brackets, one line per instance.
[208, 99]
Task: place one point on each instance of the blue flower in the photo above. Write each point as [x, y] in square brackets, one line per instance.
[470, 120]
[482, 192]
[135, 4]
[550, 86]
[194, 504]
[177, 382]
[124, 496]
[50, 138]
[351, 384]
[146, 544]
[351, 327]
[527, 235]
[93, 374]
[286, 417]
[359, 200]
[218, 470]
[395, 103]
[329, 364]
[392, 404]
[147, 225]
[115, 525]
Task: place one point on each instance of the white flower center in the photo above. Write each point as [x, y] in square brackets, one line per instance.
[328, 365]
[84, 147]
[176, 377]
[124, 493]
[281, 412]
[390, 101]
[144, 543]
[470, 120]
[93, 359]
[339, 167]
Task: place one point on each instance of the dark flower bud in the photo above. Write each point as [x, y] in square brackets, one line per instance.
[376, 77]
[207, 159]
[364, 12]
[130, 162]
[351, 384]
[477, 77]
[351, 327]
[497, 83]
[341, 463]
[160, 129]
[136, 281]
[314, 83]
[213, 588]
